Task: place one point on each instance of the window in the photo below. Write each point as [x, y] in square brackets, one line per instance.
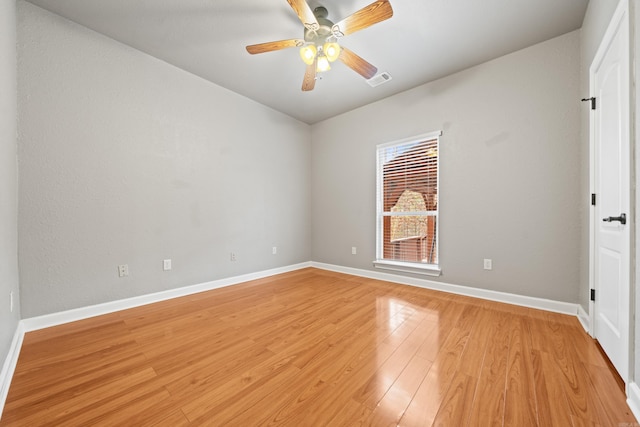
[407, 205]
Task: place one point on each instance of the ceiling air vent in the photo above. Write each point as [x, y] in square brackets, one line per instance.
[379, 79]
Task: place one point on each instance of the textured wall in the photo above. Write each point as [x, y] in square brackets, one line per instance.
[8, 179]
[509, 172]
[126, 159]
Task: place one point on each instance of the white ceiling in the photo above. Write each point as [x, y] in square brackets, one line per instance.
[423, 41]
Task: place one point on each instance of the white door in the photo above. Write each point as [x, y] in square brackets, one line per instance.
[609, 76]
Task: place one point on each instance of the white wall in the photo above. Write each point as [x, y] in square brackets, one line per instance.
[510, 164]
[126, 159]
[8, 178]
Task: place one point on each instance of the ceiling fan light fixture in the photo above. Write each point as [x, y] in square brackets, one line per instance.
[323, 64]
[319, 45]
[331, 50]
[308, 53]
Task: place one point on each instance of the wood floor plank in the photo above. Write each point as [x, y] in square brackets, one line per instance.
[481, 329]
[380, 382]
[456, 405]
[215, 398]
[609, 408]
[76, 344]
[581, 398]
[117, 409]
[67, 329]
[188, 381]
[489, 398]
[350, 378]
[314, 347]
[61, 411]
[351, 414]
[164, 412]
[392, 406]
[58, 383]
[239, 407]
[447, 317]
[613, 411]
[333, 364]
[427, 401]
[551, 397]
[520, 399]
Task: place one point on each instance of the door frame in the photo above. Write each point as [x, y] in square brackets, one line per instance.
[622, 12]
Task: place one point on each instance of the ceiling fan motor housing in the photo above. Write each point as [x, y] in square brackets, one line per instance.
[325, 27]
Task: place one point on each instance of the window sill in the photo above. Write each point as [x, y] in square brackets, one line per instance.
[408, 267]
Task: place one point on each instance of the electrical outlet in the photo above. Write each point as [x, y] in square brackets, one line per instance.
[488, 264]
[123, 270]
[354, 250]
[274, 250]
[166, 265]
[232, 256]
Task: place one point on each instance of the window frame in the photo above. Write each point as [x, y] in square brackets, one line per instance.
[396, 265]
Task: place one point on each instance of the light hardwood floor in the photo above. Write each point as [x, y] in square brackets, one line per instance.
[315, 348]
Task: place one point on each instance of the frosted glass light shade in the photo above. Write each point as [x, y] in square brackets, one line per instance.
[332, 51]
[308, 53]
[323, 64]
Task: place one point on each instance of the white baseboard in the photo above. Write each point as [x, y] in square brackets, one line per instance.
[54, 319]
[525, 301]
[584, 319]
[633, 399]
[10, 363]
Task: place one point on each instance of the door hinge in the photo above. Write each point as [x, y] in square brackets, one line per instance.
[593, 294]
[593, 102]
[593, 199]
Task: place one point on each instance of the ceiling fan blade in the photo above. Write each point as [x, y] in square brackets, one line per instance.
[367, 16]
[356, 63]
[305, 13]
[271, 46]
[309, 81]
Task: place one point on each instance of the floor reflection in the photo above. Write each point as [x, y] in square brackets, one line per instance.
[408, 333]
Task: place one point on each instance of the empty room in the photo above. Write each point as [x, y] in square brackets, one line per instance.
[319, 213]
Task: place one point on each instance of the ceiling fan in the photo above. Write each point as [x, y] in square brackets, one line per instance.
[320, 47]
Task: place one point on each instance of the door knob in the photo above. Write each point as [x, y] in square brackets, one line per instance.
[622, 218]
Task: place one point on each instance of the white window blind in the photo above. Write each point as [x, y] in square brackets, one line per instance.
[408, 201]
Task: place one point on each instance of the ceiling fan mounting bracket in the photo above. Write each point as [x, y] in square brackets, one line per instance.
[320, 12]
